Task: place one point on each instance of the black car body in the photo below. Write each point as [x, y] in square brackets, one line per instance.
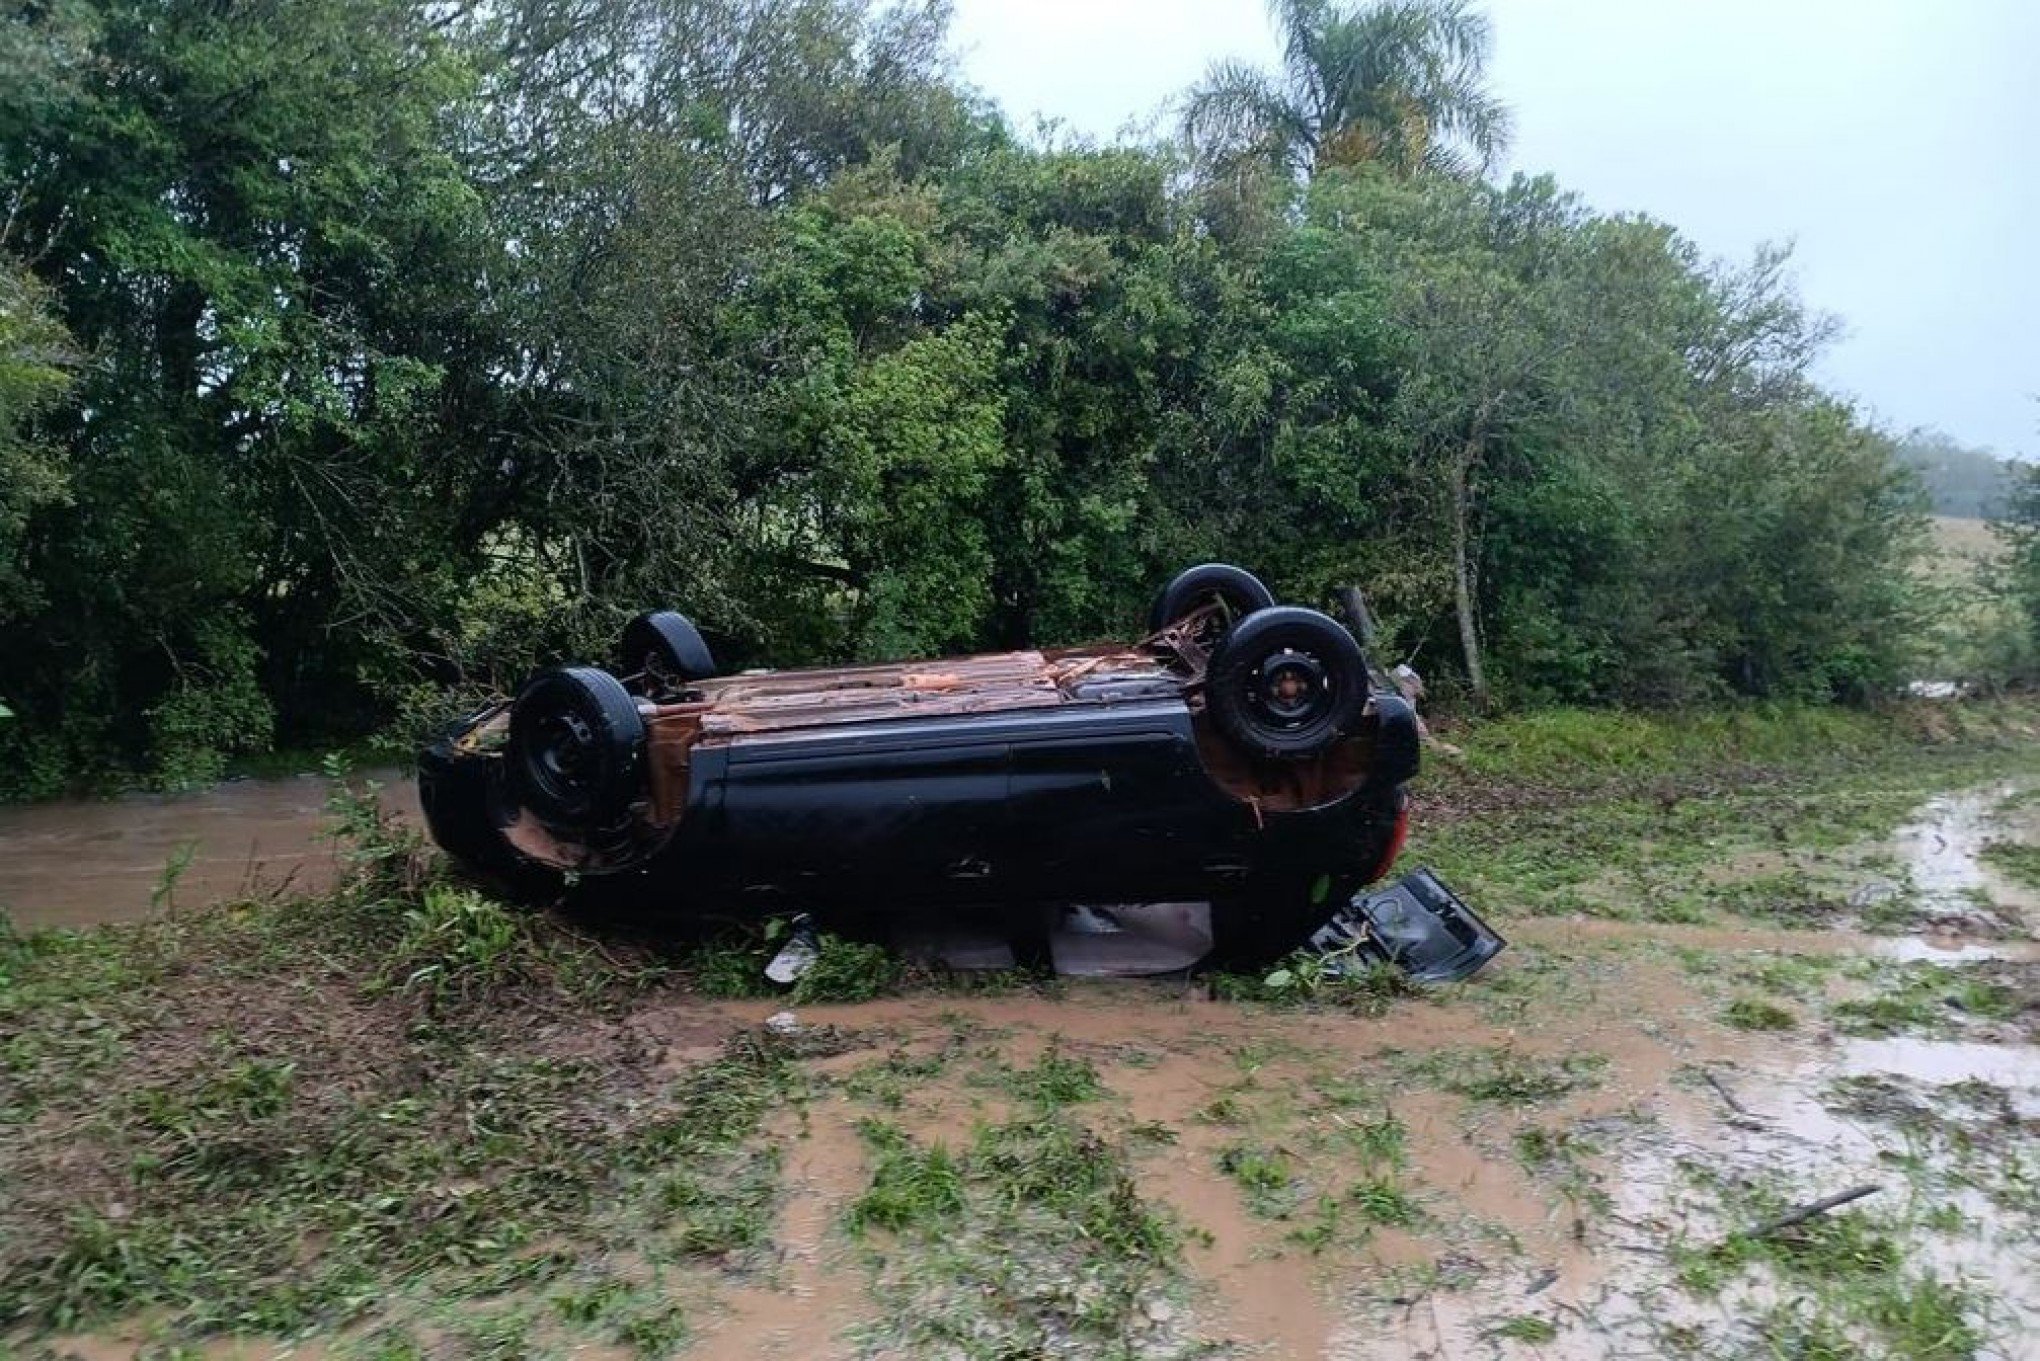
[986, 787]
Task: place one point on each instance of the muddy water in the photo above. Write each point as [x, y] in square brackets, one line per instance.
[75, 863]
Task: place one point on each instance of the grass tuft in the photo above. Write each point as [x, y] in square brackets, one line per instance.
[1754, 1013]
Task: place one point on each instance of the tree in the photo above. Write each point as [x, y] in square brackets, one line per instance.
[1399, 83]
[36, 370]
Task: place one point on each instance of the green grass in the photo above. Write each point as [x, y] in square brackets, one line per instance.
[843, 970]
[1053, 1080]
[1505, 1077]
[886, 1082]
[1383, 1202]
[408, 1116]
[188, 1104]
[1307, 980]
[1667, 818]
[1927, 999]
[911, 1186]
[1844, 1275]
[2016, 861]
[1035, 1241]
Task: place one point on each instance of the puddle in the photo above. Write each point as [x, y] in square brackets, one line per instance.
[1945, 950]
[78, 862]
[1942, 1062]
[1942, 852]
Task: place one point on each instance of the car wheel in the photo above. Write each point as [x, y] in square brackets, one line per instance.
[1286, 683]
[666, 645]
[576, 747]
[1240, 593]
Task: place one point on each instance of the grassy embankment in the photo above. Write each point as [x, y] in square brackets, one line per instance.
[405, 1118]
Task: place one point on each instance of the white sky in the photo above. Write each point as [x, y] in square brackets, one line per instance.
[1893, 142]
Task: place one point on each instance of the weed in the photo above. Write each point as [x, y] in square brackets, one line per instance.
[1790, 975]
[593, 1303]
[164, 895]
[1538, 1147]
[886, 1081]
[1055, 1079]
[726, 1213]
[457, 943]
[1264, 1177]
[1220, 1110]
[843, 970]
[910, 1185]
[1753, 1013]
[1383, 1202]
[1508, 1078]
[729, 968]
[1310, 979]
[1530, 1328]
[1382, 1142]
[848, 971]
[654, 1333]
[1853, 1272]
[1052, 1251]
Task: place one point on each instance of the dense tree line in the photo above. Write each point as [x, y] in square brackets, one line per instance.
[1968, 483]
[358, 354]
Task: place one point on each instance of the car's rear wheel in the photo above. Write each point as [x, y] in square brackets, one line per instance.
[1235, 592]
[576, 752]
[1287, 683]
[665, 645]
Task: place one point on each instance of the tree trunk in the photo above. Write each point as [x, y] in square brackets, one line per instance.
[1462, 569]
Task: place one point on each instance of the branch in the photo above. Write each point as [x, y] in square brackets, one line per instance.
[1809, 1210]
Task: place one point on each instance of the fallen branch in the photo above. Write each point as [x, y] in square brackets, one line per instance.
[1808, 1211]
[1725, 1094]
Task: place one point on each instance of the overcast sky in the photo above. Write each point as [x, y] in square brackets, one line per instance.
[1896, 143]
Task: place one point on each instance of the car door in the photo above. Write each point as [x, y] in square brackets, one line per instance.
[869, 821]
[1113, 807]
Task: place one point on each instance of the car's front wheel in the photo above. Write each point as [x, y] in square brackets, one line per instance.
[1287, 683]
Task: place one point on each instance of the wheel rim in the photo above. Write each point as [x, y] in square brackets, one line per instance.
[1290, 690]
[564, 758]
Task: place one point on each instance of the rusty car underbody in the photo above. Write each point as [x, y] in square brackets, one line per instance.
[987, 789]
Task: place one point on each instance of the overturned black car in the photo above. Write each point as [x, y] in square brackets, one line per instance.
[1243, 754]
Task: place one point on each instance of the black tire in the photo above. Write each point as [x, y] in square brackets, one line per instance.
[577, 744]
[1286, 683]
[1239, 591]
[665, 644]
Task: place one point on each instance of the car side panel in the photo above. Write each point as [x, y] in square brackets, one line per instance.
[1123, 815]
[866, 825]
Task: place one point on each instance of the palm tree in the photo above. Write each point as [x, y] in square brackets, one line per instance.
[1396, 82]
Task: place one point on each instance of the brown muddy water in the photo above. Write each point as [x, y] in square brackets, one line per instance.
[78, 862]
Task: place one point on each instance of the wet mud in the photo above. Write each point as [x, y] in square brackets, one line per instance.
[1569, 1128]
